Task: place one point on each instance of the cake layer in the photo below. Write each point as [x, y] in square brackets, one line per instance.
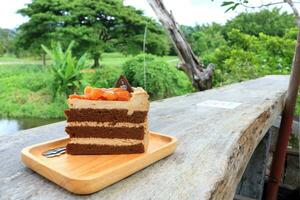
[105, 115]
[107, 124]
[139, 101]
[106, 141]
[87, 149]
[106, 132]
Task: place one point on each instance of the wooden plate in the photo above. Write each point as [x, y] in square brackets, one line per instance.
[90, 173]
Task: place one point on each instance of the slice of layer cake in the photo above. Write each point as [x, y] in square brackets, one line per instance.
[105, 126]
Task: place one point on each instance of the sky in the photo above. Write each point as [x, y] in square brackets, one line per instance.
[186, 12]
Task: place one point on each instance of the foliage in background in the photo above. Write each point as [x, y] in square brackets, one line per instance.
[105, 77]
[6, 41]
[204, 39]
[250, 45]
[270, 22]
[25, 89]
[247, 57]
[94, 25]
[162, 80]
[65, 69]
[25, 92]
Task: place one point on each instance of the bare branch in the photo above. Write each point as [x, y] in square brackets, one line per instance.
[266, 5]
[263, 5]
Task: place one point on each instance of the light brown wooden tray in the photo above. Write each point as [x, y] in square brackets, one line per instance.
[85, 174]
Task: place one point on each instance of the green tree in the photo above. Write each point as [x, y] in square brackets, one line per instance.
[6, 41]
[270, 22]
[2, 51]
[205, 38]
[94, 25]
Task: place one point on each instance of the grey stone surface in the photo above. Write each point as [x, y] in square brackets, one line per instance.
[292, 171]
[253, 179]
[215, 145]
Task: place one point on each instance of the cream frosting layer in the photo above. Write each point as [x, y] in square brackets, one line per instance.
[106, 141]
[107, 124]
[138, 102]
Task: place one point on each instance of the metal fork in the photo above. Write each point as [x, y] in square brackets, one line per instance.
[54, 152]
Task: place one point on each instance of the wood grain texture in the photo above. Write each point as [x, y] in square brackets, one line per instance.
[214, 147]
[86, 174]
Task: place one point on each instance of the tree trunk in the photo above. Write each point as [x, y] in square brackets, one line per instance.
[201, 77]
[96, 58]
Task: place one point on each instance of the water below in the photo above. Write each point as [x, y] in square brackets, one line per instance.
[10, 126]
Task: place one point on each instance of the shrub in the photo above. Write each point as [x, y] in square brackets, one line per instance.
[271, 22]
[65, 69]
[162, 80]
[248, 57]
[105, 77]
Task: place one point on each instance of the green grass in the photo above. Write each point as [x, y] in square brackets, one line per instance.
[117, 59]
[25, 91]
[11, 58]
[107, 59]
[113, 59]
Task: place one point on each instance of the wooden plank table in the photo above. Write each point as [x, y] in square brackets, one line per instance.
[215, 145]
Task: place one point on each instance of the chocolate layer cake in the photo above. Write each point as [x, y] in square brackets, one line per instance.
[108, 126]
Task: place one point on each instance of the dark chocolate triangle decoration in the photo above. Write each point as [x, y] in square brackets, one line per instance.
[123, 83]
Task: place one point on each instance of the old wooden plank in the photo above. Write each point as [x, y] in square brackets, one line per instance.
[215, 145]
